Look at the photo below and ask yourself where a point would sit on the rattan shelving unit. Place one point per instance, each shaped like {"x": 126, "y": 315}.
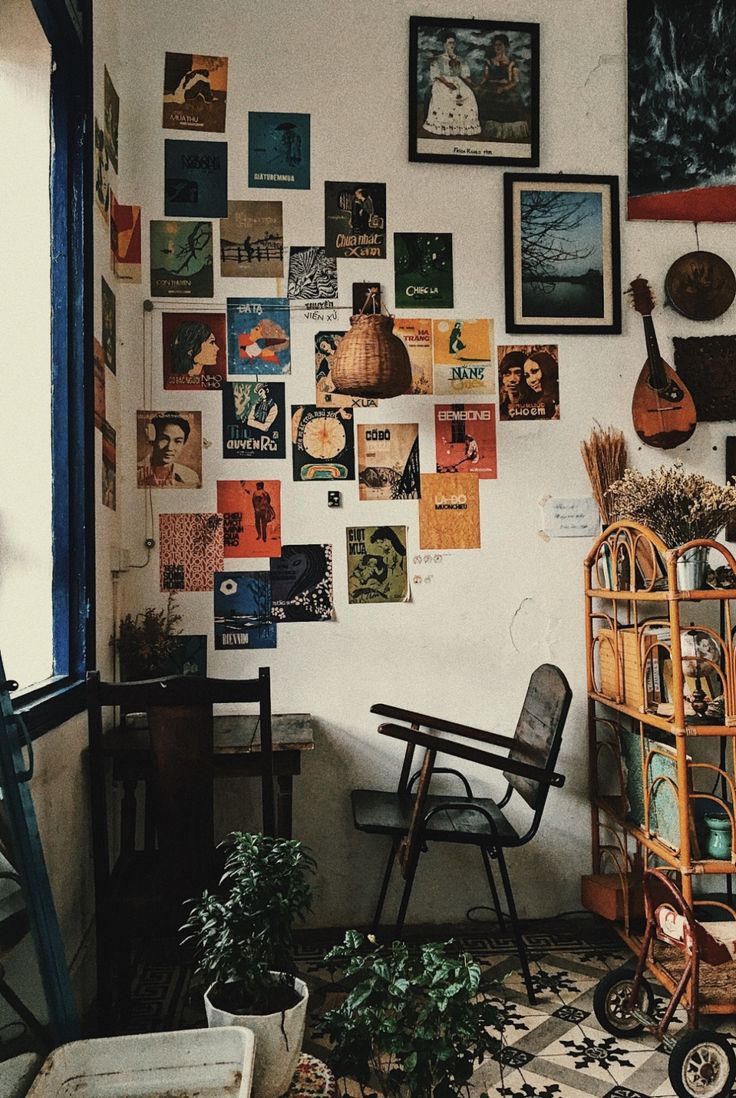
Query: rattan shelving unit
{"x": 657, "y": 766}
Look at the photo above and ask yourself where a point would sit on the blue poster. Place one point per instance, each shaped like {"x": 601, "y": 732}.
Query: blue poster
{"x": 253, "y": 419}
{"x": 243, "y": 610}
{"x": 258, "y": 336}
{"x": 196, "y": 178}
{"x": 278, "y": 150}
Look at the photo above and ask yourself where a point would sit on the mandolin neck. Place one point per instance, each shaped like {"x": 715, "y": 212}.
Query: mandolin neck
{"x": 657, "y": 378}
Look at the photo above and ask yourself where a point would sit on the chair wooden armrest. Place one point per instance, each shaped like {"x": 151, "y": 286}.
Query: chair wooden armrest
{"x": 471, "y": 754}
{"x": 442, "y": 725}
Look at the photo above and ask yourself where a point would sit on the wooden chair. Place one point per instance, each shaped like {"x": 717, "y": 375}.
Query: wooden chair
{"x": 412, "y": 819}
{"x": 141, "y": 885}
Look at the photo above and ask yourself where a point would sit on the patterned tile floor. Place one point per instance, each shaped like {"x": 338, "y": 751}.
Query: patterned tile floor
{"x": 556, "y": 1049}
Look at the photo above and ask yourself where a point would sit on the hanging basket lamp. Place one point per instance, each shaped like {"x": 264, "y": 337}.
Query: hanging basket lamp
{"x": 370, "y": 360}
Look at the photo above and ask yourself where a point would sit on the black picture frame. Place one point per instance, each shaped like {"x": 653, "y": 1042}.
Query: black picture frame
{"x": 564, "y": 229}
{"x": 491, "y": 114}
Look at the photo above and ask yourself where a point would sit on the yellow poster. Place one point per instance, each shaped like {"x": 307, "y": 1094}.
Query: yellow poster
{"x": 462, "y": 352}
{"x": 449, "y": 511}
{"x": 416, "y": 335}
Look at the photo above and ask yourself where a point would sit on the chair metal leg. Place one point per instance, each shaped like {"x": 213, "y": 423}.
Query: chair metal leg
{"x": 518, "y": 938}
{"x": 494, "y": 890}
{"x": 384, "y": 885}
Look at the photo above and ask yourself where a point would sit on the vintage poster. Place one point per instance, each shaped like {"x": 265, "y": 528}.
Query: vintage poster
{"x": 322, "y": 443}
{"x": 252, "y": 240}
{"x": 682, "y": 124}
{"x": 258, "y": 336}
{"x": 189, "y": 656}
{"x": 190, "y": 551}
{"x": 366, "y": 297}
{"x": 169, "y": 449}
{"x": 301, "y": 584}
{"x": 325, "y": 345}
{"x": 377, "y": 569}
{"x": 102, "y": 173}
{"x": 355, "y": 220}
{"x": 112, "y": 117}
{"x": 109, "y": 335}
{"x": 465, "y": 439}
{"x": 312, "y": 274}
{"x": 278, "y": 150}
{"x": 251, "y": 513}
{"x": 528, "y": 382}
{"x": 423, "y": 270}
{"x": 195, "y": 178}
{"x": 181, "y": 259}
{"x": 194, "y": 350}
{"x": 109, "y": 494}
{"x": 416, "y": 335}
{"x": 195, "y": 92}
{"x": 449, "y": 511}
{"x": 125, "y": 241}
{"x": 253, "y": 419}
{"x": 462, "y": 353}
{"x": 99, "y": 368}
{"x": 388, "y": 460}
{"x": 243, "y": 611}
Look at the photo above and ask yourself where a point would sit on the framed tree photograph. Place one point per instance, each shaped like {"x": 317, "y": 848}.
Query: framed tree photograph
{"x": 562, "y": 253}
{"x": 473, "y": 91}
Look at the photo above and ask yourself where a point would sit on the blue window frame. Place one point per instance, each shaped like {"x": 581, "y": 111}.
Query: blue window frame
{"x": 67, "y": 26}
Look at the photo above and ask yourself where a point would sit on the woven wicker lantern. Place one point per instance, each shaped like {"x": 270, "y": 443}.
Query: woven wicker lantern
{"x": 370, "y": 360}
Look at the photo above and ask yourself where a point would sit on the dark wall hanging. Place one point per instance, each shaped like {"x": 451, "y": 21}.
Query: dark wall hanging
{"x": 700, "y": 285}
{"x": 707, "y": 365}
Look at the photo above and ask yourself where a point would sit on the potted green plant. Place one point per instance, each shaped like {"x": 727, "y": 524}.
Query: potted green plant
{"x": 243, "y": 938}
{"x": 145, "y": 641}
{"x": 415, "y": 1022}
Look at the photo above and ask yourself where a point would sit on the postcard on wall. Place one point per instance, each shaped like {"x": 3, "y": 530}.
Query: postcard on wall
{"x": 258, "y": 336}
{"x": 195, "y": 92}
{"x": 109, "y": 493}
{"x": 125, "y": 240}
{"x": 112, "y": 117}
{"x": 462, "y": 352}
{"x": 181, "y": 259}
{"x": 528, "y": 381}
{"x": 253, "y": 419}
{"x": 109, "y": 335}
{"x": 355, "y": 220}
{"x": 194, "y": 350}
{"x": 388, "y": 460}
{"x": 99, "y": 369}
{"x": 312, "y": 274}
{"x": 188, "y": 656}
{"x": 251, "y": 511}
{"x": 102, "y": 173}
{"x": 465, "y": 439}
{"x": 366, "y": 297}
{"x": 416, "y": 335}
{"x": 190, "y": 551}
{"x": 243, "y": 611}
{"x": 195, "y": 178}
{"x": 376, "y": 560}
{"x": 322, "y": 443}
{"x": 449, "y": 511}
{"x": 423, "y": 270}
{"x": 325, "y": 345}
{"x": 301, "y": 584}
{"x": 278, "y": 150}
{"x": 169, "y": 449}
{"x": 252, "y": 240}
{"x": 571, "y": 518}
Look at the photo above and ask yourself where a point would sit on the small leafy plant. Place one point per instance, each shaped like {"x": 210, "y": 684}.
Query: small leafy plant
{"x": 146, "y": 640}
{"x": 415, "y": 1022}
{"x": 244, "y": 933}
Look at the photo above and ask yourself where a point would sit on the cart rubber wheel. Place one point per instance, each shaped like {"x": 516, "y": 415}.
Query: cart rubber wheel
{"x": 702, "y": 1065}
{"x": 609, "y": 1003}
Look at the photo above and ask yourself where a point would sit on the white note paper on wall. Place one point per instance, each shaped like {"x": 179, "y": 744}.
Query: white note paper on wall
{"x": 571, "y": 518}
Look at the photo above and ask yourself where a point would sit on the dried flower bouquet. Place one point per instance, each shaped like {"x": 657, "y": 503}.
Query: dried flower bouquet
{"x": 676, "y": 505}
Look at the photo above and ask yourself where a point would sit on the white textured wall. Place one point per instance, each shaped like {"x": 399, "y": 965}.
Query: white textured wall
{"x": 467, "y": 642}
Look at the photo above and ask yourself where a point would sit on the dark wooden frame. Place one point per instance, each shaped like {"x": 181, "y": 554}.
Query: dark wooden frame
{"x": 610, "y": 321}
{"x": 479, "y": 27}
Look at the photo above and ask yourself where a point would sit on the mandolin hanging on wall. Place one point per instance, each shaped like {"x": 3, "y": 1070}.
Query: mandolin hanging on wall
{"x": 662, "y": 409}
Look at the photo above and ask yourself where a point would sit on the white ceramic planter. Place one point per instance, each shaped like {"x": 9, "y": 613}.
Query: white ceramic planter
{"x": 279, "y": 1039}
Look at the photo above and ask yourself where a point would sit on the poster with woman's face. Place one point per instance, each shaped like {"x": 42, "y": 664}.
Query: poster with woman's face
{"x": 194, "y": 350}
{"x": 376, "y": 563}
{"x": 528, "y": 382}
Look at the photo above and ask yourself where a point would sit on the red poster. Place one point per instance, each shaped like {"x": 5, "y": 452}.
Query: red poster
{"x": 251, "y": 511}
{"x": 465, "y": 439}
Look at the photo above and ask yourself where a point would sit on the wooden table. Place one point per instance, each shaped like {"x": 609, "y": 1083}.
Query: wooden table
{"x": 237, "y": 750}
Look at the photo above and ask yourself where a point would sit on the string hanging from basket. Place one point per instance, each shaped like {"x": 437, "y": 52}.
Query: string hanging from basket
{"x": 371, "y": 361}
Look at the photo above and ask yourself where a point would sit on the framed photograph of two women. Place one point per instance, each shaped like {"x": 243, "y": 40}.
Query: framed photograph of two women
{"x": 562, "y": 259}
{"x": 473, "y": 91}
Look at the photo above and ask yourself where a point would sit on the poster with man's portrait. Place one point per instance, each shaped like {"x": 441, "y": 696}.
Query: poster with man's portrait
{"x": 253, "y": 419}
{"x": 528, "y": 382}
{"x": 355, "y": 220}
{"x": 169, "y": 449}
{"x": 251, "y": 513}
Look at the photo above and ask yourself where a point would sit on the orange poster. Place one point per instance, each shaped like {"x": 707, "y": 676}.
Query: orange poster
{"x": 449, "y": 511}
{"x": 251, "y": 511}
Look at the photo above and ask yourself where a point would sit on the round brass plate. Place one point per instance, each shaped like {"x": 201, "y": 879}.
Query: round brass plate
{"x": 700, "y": 285}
